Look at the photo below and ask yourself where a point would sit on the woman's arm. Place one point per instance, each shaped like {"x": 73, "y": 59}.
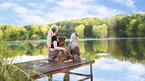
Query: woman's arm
{"x": 58, "y": 48}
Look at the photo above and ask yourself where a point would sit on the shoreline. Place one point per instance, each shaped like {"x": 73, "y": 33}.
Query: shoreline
{"x": 81, "y": 39}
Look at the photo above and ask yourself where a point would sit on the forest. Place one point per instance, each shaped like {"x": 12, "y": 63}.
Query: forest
{"x": 121, "y": 25}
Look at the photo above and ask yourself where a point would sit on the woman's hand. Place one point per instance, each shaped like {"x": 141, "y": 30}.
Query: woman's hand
{"x": 64, "y": 50}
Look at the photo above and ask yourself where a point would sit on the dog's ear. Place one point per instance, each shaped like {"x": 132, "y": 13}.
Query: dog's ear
{"x": 76, "y": 34}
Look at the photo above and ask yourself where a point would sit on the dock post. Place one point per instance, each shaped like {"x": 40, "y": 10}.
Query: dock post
{"x": 66, "y": 76}
{"x": 91, "y": 70}
{"x": 49, "y": 77}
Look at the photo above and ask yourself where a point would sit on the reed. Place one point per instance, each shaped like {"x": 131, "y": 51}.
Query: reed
{"x": 8, "y": 70}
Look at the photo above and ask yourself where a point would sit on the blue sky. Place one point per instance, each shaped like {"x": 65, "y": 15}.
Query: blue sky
{"x": 24, "y": 12}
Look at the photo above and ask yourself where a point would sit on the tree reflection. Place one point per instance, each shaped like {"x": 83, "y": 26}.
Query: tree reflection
{"x": 89, "y": 54}
{"x": 141, "y": 45}
{"x": 82, "y": 47}
{"x": 115, "y": 49}
{"x": 132, "y": 50}
{"x": 100, "y": 46}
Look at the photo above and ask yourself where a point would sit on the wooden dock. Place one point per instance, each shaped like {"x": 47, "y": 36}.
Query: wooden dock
{"x": 40, "y": 68}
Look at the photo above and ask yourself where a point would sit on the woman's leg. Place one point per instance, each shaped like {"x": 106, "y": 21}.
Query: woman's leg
{"x": 52, "y": 55}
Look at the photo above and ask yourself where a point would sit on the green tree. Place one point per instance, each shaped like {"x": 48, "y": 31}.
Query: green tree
{"x": 111, "y": 24}
{"x": 100, "y": 31}
{"x": 80, "y": 30}
{"x": 132, "y": 27}
{"x": 62, "y": 31}
{"x": 44, "y": 29}
{"x": 141, "y": 30}
{"x": 122, "y": 26}
{"x": 10, "y": 32}
{"x": 35, "y": 37}
{"x": 1, "y": 26}
{"x": 88, "y": 31}
{"x": 1, "y": 34}
{"x": 70, "y": 28}
{"x": 23, "y": 34}
{"x": 63, "y": 28}
{"x": 94, "y": 30}
{"x": 118, "y": 24}
{"x": 34, "y": 30}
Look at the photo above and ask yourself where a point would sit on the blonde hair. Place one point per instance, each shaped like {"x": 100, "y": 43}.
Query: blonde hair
{"x": 50, "y": 33}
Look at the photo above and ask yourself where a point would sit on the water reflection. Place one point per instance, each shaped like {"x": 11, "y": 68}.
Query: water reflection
{"x": 113, "y": 69}
{"x": 132, "y": 50}
{"x": 117, "y": 59}
{"x": 106, "y": 69}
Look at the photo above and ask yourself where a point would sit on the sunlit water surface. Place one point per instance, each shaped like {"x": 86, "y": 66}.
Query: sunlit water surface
{"x": 115, "y": 59}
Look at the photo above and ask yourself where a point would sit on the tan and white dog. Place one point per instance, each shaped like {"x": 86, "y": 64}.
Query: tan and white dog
{"x": 74, "y": 51}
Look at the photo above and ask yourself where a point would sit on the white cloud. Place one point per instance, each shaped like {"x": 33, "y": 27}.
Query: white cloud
{"x": 5, "y": 6}
{"x": 21, "y": 10}
{"x": 65, "y": 10}
{"x": 75, "y": 4}
{"x": 36, "y": 12}
{"x": 63, "y": 15}
{"x": 20, "y": 0}
{"x": 49, "y": 0}
{"x": 129, "y": 3}
{"x": 17, "y": 21}
{"x": 32, "y": 19}
{"x": 102, "y": 11}
{"x": 27, "y": 16}
{"x": 35, "y": 5}
{"x": 70, "y": 3}
{"x": 74, "y": 9}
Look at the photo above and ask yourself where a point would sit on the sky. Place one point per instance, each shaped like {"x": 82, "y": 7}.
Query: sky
{"x": 24, "y": 12}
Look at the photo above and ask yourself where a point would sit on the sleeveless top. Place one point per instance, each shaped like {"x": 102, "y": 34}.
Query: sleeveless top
{"x": 54, "y": 38}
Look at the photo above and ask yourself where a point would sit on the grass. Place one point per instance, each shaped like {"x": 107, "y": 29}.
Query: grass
{"x": 9, "y": 71}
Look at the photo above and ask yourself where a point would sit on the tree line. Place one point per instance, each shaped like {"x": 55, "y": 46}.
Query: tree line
{"x": 121, "y": 25}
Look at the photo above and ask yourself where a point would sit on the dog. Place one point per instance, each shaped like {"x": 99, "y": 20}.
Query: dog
{"x": 74, "y": 51}
{"x": 61, "y": 56}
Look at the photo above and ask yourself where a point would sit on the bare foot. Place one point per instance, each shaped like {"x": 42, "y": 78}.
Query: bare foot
{"x": 70, "y": 60}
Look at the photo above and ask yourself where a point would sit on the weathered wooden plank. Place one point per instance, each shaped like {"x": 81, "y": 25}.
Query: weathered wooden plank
{"x": 50, "y": 68}
{"x": 58, "y": 70}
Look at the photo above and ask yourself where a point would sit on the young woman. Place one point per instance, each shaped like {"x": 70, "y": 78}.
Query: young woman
{"x": 53, "y": 43}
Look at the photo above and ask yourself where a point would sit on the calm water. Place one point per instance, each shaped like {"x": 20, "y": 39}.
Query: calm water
{"x": 115, "y": 59}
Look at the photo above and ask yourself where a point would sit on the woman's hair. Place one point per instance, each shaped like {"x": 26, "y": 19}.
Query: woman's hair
{"x": 52, "y": 29}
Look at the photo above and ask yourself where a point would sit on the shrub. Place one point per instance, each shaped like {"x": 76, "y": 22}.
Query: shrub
{"x": 35, "y": 37}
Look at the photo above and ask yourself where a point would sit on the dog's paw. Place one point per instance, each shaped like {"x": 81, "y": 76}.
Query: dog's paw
{"x": 77, "y": 58}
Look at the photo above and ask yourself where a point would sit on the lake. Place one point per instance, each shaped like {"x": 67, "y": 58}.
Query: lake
{"x": 121, "y": 59}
